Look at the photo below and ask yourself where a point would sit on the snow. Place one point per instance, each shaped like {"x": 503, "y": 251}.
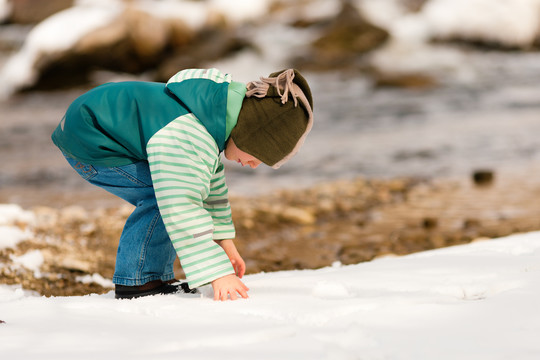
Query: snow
{"x": 194, "y": 14}
{"x": 95, "y": 278}
{"x": 31, "y": 260}
{"x": 10, "y": 236}
{"x": 10, "y": 216}
{"x": 50, "y": 36}
{"x": 476, "y": 301}
{"x": 241, "y": 10}
{"x": 5, "y": 10}
{"x": 511, "y": 22}
{"x": 12, "y": 213}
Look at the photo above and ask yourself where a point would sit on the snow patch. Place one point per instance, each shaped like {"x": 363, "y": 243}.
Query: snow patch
{"x": 50, "y": 36}
{"x": 12, "y": 213}
{"x": 479, "y": 299}
{"x": 31, "y": 260}
{"x": 95, "y": 278}
{"x": 10, "y": 236}
{"x": 513, "y": 23}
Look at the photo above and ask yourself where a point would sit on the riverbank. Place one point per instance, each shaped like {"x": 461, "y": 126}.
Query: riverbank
{"x": 342, "y": 221}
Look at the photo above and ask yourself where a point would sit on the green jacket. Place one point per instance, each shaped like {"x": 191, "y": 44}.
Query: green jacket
{"x": 180, "y": 128}
{"x": 112, "y": 124}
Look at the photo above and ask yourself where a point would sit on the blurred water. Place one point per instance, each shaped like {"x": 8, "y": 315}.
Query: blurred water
{"x": 491, "y": 122}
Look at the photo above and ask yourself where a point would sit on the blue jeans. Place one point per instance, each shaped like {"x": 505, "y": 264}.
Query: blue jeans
{"x": 145, "y": 252}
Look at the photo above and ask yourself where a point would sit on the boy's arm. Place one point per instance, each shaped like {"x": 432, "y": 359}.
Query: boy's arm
{"x": 219, "y": 208}
{"x": 234, "y": 256}
{"x": 217, "y": 204}
{"x": 182, "y": 162}
{"x": 230, "y": 285}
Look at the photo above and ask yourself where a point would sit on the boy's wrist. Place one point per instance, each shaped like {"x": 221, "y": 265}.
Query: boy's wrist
{"x": 225, "y": 243}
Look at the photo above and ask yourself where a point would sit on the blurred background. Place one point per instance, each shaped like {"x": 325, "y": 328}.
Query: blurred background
{"x": 425, "y": 101}
{"x": 431, "y": 88}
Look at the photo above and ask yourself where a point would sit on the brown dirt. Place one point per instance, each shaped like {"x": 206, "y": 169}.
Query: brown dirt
{"x": 346, "y": 221}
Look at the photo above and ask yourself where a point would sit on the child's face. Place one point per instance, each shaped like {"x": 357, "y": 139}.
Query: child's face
{"x": 235, "y": 154}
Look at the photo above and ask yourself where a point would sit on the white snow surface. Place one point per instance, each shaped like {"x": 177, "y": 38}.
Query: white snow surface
{"x": 476, "y": 301}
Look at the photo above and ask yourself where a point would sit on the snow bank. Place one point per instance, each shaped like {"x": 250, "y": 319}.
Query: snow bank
{"x": 509, "y": 22}
{"x": 478, "y": 301}
{"x": 55, "y": 34}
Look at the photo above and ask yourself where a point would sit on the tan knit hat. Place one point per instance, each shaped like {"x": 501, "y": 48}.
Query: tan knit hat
{"x": 271, "y": 126}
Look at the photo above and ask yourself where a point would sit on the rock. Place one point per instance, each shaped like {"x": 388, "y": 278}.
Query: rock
{"x": 344, "y": 40}
{"x": 34, "y": 11}
{"x": 470, "y": 223}
{"x": 429, "y": 223}
{"x": 298, "y": 216}
{"x": 134, "y": 42}
{"x": 73, "y": 214}
{"x": 483, "y": 177}
{"x": 413, "y": 5}
{"x": 412, "y": 81}
{"x": 74, "y": 264}
{"x": 46, "y": 217}
{"x": 209, "y": 44}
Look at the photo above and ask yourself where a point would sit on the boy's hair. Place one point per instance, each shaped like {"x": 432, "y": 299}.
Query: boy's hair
{"x": 271, "y": 126}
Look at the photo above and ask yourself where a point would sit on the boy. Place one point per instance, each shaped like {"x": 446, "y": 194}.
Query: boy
{"x": 158, "y": 147}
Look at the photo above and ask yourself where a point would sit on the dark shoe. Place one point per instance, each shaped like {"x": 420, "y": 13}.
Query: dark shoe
{"x": 156, "y": 287}
{"x": 184, "y": 287}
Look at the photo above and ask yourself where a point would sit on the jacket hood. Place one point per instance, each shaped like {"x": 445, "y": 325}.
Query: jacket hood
{"x": 204, "y": 93}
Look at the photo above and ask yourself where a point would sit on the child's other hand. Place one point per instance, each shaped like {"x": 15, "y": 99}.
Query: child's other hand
{"x": 237, "y": 262}
{"x": 229, "y": 285}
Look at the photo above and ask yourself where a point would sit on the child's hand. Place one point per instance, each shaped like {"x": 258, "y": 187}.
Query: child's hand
{"x": 236, "y": 260}
{"x": 229, "y": 285}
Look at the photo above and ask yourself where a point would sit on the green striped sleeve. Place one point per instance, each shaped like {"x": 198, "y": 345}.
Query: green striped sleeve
{"x": 217, "y": 204}
{"x": 186, "y": 171}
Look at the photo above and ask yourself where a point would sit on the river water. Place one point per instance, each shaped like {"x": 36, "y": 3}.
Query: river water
{"x": 446, "y": 131}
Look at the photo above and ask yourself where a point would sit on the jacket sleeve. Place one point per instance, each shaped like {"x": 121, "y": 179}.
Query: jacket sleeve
{"x": 217, "y": 204}
{"x": 183, "y": 159}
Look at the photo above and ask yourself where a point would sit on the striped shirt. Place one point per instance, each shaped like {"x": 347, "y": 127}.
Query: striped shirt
{"x": 192, "y": 196}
